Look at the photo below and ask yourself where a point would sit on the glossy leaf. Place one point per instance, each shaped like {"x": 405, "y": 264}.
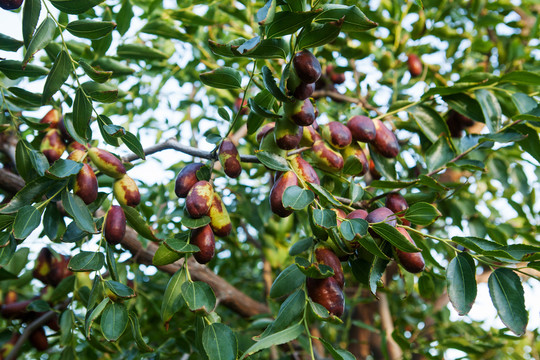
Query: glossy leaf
{"x": 222, "y": 78}
{"x": 491, "y": 109}
{"x": 75, "y": 6}
{"x": 199, "y": 297}
{"x": 140, "y": 52}
{"x": 14, "y": 69}
{"x": 506, "y": 292}
{"x": 99, "y": 76}
{"x": 429, "y": 121}
{"x": 172, "y": 298}
{"x": 272, "y": 161}
{"x": 43, "y": 36}
{"x": 297, "y": 198}
{"x": 114, "y": 321}
{"x": 393, "y": 236}
{"x": 64, "y": 168}
{"x": 142, "y": 346}
{"x": 165, "y": 256}
{"x": 422, "y": 214}
{"x": 278, "y": 338}
{"x": 93, "y": 315}
{"x": 7, "y": 43}
{"x": 353, "y": 228}
{"x": 87, "y": 261}
{"x": 270, "y": 85}
{"x": 57, "y": 76}
{"x": 460, "y": 276}
{"x": 313, "y": 270}
{"x": 219, "y": 342}
{"x": 31, "y": 11}
{"x": 138, "y": 223}
{"x": 27, "y": 220}
{"x": 79, "y": 211}
{"x": 290, "y": 279}
{"x": 439, "y": 154}
{"x": 286, "y": 22}
{"x": 355, "y": 20}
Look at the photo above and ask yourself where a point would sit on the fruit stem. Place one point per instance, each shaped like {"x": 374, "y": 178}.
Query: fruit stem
{"x": 306, "y": 326}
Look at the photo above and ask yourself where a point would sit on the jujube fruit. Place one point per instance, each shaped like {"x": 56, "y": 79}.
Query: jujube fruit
{"x": 86, "y": 185}
{"x": 268, "y": 144}
{"x": 335, "y": 77}
{"x": 362, "y": 128}
{"x": 337, "y": 134}
{"x": 52, "y": 118}
{"x": 301, "y": 112}
{"x": 10, "y": 4}
{"x": 327, "y": 293}
{"x": 276, "y": 193}
{"x": 412, "y": 262}
{"x": 327, "y": 158}
{"x": 309, "y": 136}
{"x": 397, "y": 203}
{"x": 199, "y": 199}
{"x": 229, "y": 159}
{"x": 264, "y": 130}
{"x": 107, "y": 163}
{"x": 303, "y": 169}
{"x": 38, "y": 339}
{"x": 327, "y": 257}
{"x": 415, "y": 65}
{"x": 303, "y": 91}
{"x": 126, "y": 191}
{"x": 52, "y": 145}
{"x": 203, "y": 237}
{"x": 114, "y": 228}
{"x": 385, "y": 142}
{"x": 382, "y": 214}
{"x": 307, "y": 66}
{"x": 186, "y": 178}
{"x": 357, "y": 214}
{"x": 219, "y": 217}
{"x": 287, "y": 134}
{"x": 77, "y": 155}
{"x": 355, "y": 151}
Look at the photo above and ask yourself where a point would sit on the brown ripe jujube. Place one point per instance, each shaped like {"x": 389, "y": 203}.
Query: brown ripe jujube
{"x": 385, "y": 142}
{"x": 340, "y": 215}
{"x": 335, "y": 77}
{"x": 415, "y": 65}
{"x": 52, "y": 145}
{"x": 327, "y": 293}
{"x": 457, "y": 123}
{"x": 287, "y": 134}
{"x": 382, "y": 214}
{"x": 337, "y": 134}
{"x": 114, "y": 227}
{"x": 203, "y": 237}
{"x": 38, "y": 339}
{"x": 229, "y": 158}
{"x": 10, "y": 4}
{"x": 264, "y": 130}
{"x": 276, "y": 194}
{"x": 199, "y": 199}
{"x": 126, "y": 191}
{"x": 15, "y": 310}
{"x": 300, "y": 112}
{"x": 362, "y": 128}
{"x": 375, "y": 174}
{"x": 327, "y": 158}
{"x": 327, "y": 257}
{"x": 186, "y": 178}
{"x": 86, "y": 185}
{"x": 72, "y": 146}
{"x": 397, "y": 203}
{"x": 219, "y": 217}
{"x": 107, "y": 163}
{"x": 306, "y": 66}
{"x": 305, "y": 170}
{"x": 309, "y": 136}
{"x": 303, "y": 91}
{"x": 77, "y": 155}
{"x": 42, "y": 268}
{"x": 357, "y": 214}
{"x": 52, "y": 118}
{"x": 412, "y": 262}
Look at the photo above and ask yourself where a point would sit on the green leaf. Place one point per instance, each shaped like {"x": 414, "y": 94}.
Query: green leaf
{"x": 87, "y": 261}
{"x": 75, "y": 6}
{"x": 353, "y": 228}
{"x": 222, "y": 78}
{"x": 31, "y": 11}
{"x": 272, "y": 161}
{"x": 259, "y": 110}
{"x": 465, "y": 105}
{"x": 290, "y": 312}
{"x": 219, "y": 342}
{"x": 179, "y": 244}
{"x": 300, "y": 246}
{"x": 199, "y": 297}
{"x": 124, "y": 16}
{"x": 319, "y": 34}
{"x": 90, "y": 29}
{"x": 376, "y": 272}
{"x": 224, "y": 114}
{"x": 105, "y": 93}
{"x": 99, "y": 76}
{"x": 79, "y": 211}
{"x": 140, "y": 52}
{"x": 524, "y": 103}
{"x": 270, "y": 85}
{"x": 286, "y": 22}
{"x": 58, "y": 75}
{"x": 278, "y": 338}
{"x": 322, "y": 193}
{"x": 297, "y": 198}
{"x": 114, "y": 321}
{"x": 386, "y": 167}
{"x": 82, "y": 112}
{"x": 138, "y": 223}
{"x": 531, "y": 144}
{"x": 142, "y": 346}
{"x": 393, "y": 236}
{"x": 133, "y": 144}
{"x": 506, "y": 294}
{"x": 118, "y": 68}
{"x": 439, "y": 154}
{"x": 120, "y": 290}
{"x": 521, "y": 77}
{"x": 164, "y": 29}
{"x": 422, "y": 213}
{"x": 322, "y": 314}
{"x": 14, "y": 69}
{"x": 92, "y": 316}
{"x": 325, "y": 218}
{"x": 266, "y": 14}
{"x": 313, "y": 270}
{"x": 39, "y": 306}
{"x": 429, "y": 121}
{"x": 104, "y": 130}
{"x": 264, "y": 49}
{"x": 355, "y": 20}
{"x": 39, "y": 161}
{"x": 32, "y": 190}
{"x": 192, "y": 223}
{"x": 64, "y": 168}
{"x": 290, "y": 279}
{"x": 460, "y": 275}
{"x": 254, "y": 121}
{"x": 490, "y": 108}
{"x": 172, "y": 299}
{"x": 43, "y": 36}
{"x": 27, "y": 220}
{"x": 165, "y": 256}
{"x": 7, "y": 43}
{"x": 337, "y": 354}
{"x": 25, "y": 96}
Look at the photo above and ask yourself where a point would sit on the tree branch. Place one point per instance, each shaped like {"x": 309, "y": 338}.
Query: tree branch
{"x": 33, "y": 326}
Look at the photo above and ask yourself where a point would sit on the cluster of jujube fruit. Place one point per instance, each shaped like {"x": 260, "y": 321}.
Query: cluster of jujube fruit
{"x": 50, "y": 269}
{"x": 203, "y": 200}
{"x": 53, "y": 144}
{"x": 330, "y": 146}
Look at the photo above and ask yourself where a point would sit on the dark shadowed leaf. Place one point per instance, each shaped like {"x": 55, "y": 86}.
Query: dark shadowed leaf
{"x": 287, "y": 281}
{"x": 14, "y": 69}
{"x": 57, "y": 76}
{"x": 278, "y": 338}
{"x": 219, "y": 342}
{"x": 114, "y": 321}
{"x": 313, "y": 270}
{"x": 31, "y": 11}
{"x": 75, "y": 6}
{"x": 140, "y": 52}
{"x": 460, "y": 275}
{"x": 27, "y": 220}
